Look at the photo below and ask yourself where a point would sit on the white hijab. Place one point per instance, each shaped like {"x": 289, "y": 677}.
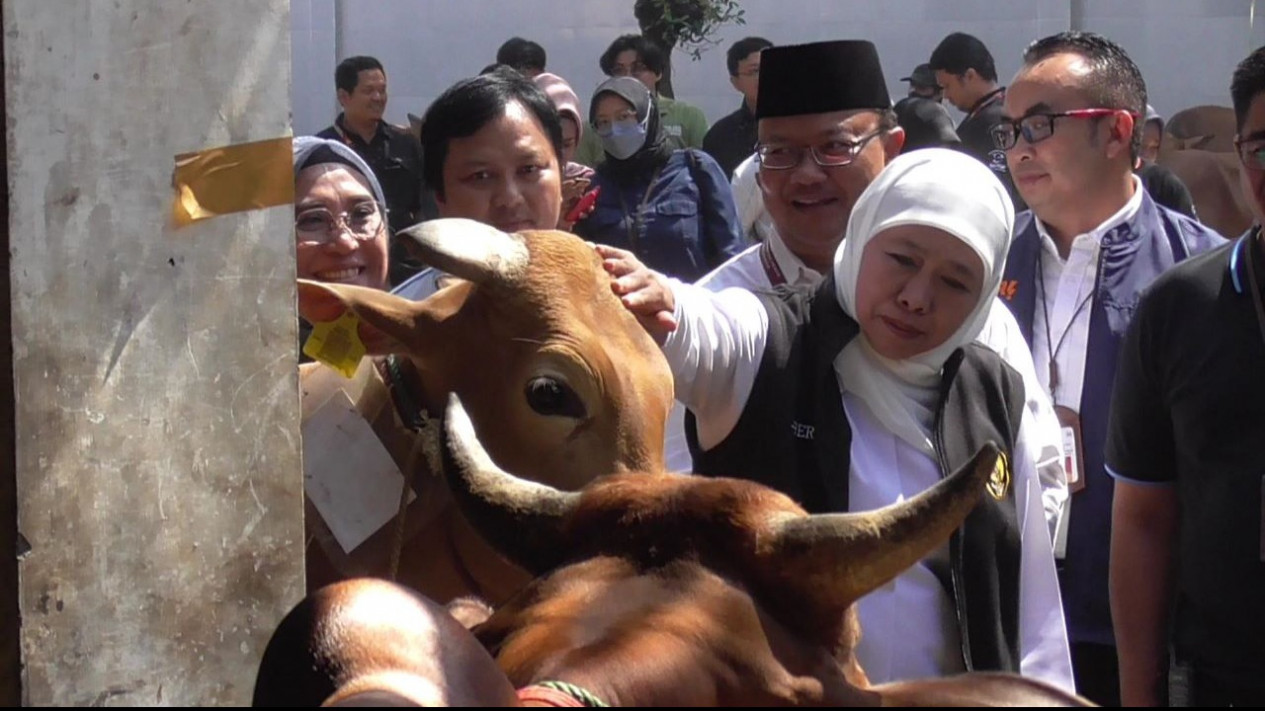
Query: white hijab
{"x": 939, "y": 188}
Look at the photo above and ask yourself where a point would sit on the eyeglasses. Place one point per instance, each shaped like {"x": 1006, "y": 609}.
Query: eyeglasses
{"x": 1251, "y": 153}
{"x": 1038, "y": 127}
{"x": 832, "y": 154}
{"x": 320, "y": 226}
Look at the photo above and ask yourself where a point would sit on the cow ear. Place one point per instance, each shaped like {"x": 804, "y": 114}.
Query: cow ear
{"x": 388, "y": 323}
{"x": 468, "y": 249}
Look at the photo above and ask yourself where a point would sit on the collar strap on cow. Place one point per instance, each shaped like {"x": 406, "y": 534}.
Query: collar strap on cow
{"x": 425, "y": 446}
{"x": 560, "y": 694}
{"x": 411, "y": 412}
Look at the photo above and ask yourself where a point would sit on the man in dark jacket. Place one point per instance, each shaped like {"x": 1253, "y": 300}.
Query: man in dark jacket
{"x": 964, "y": 69}
{"x": 732, "y": 139}
{"x": 393, "y": 153}
{"x": 1091, "y": 244}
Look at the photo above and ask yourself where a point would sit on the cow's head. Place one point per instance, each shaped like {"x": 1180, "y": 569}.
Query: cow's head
{"x": 560, "y": 380}
{"x": 671, "y": 589}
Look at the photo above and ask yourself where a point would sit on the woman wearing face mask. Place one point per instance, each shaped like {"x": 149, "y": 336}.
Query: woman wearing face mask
{"x": 868, "y": 388}
{"x": 673, "y": 209}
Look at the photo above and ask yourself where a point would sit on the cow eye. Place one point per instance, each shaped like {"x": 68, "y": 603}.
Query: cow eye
{"x": 551, "y": 397}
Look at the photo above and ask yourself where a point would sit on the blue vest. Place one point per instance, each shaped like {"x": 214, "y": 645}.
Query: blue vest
{"x": 1133, "y": 254}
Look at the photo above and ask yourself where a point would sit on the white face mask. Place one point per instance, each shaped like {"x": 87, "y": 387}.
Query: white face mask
{"x": 624, "y": 138}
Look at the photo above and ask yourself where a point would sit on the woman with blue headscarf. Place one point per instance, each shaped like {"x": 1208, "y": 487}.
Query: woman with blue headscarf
{"x": 674, "y": 209}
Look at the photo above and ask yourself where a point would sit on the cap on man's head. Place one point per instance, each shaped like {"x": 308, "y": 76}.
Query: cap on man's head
{"x": 922, "y": 77}
{"x": 821, "y": 77}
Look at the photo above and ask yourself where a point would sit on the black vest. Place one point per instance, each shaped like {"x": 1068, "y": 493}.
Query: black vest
{"x": 793, "y": 436}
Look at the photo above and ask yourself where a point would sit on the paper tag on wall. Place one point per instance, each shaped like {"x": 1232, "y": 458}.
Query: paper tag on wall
{"x": 348, "y": 474}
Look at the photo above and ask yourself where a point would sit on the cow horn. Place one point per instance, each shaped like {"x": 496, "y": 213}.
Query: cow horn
{"x": 837, "y": 558}
{"x": 521, "y": 519}
{"x": 471, "y": 250}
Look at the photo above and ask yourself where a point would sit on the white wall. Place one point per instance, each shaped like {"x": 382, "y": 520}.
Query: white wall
{"x": 1187, "y": 49}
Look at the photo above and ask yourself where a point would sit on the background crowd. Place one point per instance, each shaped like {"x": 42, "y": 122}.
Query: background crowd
{"x": 1135, "y": 333}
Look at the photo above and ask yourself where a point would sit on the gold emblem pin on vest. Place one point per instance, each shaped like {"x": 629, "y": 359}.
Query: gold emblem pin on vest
{"x": 999, "y": 480}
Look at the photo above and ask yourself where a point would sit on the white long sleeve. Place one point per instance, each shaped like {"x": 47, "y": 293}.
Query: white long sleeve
{"x": 1001, "y": 333}
{"x": 715, "y": 354}
{"x": 1043, "y": 646}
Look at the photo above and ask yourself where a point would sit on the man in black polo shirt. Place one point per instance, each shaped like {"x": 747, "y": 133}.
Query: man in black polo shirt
{"x": 731, "y": 140}
{"x": 393, "y": 153}
{"x": 1185, "y": 448}
{"x": 965, "y": 71}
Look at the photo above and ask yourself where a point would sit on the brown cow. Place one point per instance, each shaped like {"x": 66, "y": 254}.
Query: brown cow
{"x": 1199, "y": 148}
{"x": 655, "y": 589}
{"x": 561, "y": 382}
{"x": 1205, "y": 128}
{"x": 1213, "y": 181}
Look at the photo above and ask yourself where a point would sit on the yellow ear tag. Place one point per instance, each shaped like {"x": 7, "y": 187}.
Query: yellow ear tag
{"x": 337, "y": 343}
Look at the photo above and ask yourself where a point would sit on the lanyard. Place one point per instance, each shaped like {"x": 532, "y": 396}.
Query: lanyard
{"x": 1050, "y": 345}
{"x": 771, "y": 268}
{"x": 634, "y": 221}
{"x": 985, "y": 101}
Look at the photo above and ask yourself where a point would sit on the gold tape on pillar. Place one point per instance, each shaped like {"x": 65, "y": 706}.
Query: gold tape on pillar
{"x": 246, "y": 176}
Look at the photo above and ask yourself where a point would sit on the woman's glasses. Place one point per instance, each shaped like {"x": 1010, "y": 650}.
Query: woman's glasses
{"x": 320, "y": 226}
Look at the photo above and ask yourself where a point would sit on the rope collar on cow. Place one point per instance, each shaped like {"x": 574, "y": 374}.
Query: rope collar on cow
{"x": 560, "y": 694}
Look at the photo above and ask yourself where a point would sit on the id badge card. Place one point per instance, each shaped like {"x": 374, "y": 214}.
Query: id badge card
{"x": 1073, "y": 450}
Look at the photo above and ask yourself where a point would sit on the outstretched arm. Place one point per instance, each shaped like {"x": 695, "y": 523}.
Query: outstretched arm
{"x": 713, "y": 342}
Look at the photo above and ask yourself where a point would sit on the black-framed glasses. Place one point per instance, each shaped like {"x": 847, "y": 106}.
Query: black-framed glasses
{"x": 1251, "y": 153}
{"x": 831, "y": 154}
{"x": 1038, "y": 127}
{"x": 317, "y": 225}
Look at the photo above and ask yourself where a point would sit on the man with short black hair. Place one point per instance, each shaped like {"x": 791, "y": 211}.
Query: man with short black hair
{"x": 392, "y": 152}
{"x": 1092, "y": 242}
{"x": 965, "y": 72}
{"x": 638, "y": 57}
{"x": 732, "y": 139}
{"x": 523, "y": 55}
{"x": 1184, "y": 448}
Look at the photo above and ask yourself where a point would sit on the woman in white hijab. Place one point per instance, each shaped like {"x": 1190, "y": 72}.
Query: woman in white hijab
{"x": 891, "y": 335}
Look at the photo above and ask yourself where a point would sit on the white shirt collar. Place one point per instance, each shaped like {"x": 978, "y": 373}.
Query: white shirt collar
{"x": 1094, "y": 236}
{"x": 793, "y": 268}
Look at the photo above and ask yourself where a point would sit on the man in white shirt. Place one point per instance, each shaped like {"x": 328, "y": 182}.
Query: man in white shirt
{"x": 801, "y": 215}
{"x": 1092, "y": 242}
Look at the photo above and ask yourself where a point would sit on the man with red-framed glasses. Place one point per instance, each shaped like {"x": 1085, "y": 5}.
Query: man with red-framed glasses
{"x": 1090, "y": 244}
{"x": 1186, "y": 422}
